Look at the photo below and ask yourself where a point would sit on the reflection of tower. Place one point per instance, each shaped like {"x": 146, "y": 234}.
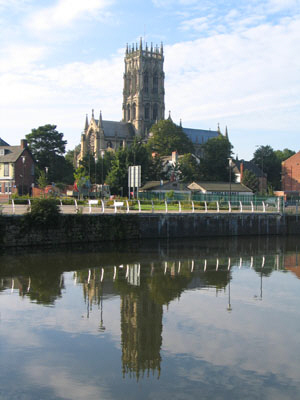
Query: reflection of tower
{"x": 141, "y": 325}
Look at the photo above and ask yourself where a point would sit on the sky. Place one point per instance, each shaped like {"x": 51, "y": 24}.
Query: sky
{"x": 233, "y": 62}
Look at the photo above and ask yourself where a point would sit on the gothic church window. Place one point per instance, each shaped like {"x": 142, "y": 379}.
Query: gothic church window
{"x": 128, "y": 112}
{"x": 133, "y": 111}
{"x": 146, "y": 83}
{"x": 155, "y": 112}
{"x": 155, "y": 83}
{"x": 92, "y": 138}
{"x": 147, "y": 111}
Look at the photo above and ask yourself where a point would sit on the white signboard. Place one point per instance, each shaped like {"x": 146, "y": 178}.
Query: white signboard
{"x": 134, "y": 176}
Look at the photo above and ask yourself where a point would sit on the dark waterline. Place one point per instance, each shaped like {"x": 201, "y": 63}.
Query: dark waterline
{"x": 188, "y": 319}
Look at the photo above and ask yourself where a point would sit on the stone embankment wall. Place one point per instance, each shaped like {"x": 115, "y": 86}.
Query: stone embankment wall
{"x": 98, "y": 228}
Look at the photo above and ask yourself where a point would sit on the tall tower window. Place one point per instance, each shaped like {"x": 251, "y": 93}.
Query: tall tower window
{"x": 147, "y": 111}
{"x": 155, "y": 112}
{"x": 128, "y": 112}
{"x": 133, "y": 111}
{"x": 146, "y": 83}
{"x": 155, "y": 84}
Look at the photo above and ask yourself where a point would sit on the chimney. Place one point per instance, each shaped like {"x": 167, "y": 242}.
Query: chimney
{"x": 174, "y": 156}
{"x": 23, "y": 143}
{"x": 242, "y": 171}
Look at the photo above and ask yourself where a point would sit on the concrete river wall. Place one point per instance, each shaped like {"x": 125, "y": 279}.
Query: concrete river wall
{"x": 93, "y": 228}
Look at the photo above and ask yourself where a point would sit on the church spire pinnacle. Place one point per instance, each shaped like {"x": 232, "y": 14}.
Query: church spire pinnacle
{"x": 86, "y": 125}
{"x": 100, "y": 122}
{"x": 219, "y": 130}
{"x": 93, "y": 117}
{"x": 226, "y": 133}
{"x": 141, "y": 43}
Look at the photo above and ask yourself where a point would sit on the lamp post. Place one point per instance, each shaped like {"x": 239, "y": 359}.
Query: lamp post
{"x": 96, "y": 159}
{"x": 23, "y": 162}
{"x": 229, "y": 164}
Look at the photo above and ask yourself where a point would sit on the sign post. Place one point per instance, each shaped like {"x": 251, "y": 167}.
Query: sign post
{"x": 134, "y": 179}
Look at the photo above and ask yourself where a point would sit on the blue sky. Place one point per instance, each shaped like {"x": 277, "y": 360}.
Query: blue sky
{"x": 236, "y": 63}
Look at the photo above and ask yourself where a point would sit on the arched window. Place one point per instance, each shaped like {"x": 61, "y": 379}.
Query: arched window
{"x": 133, "y": 111}
{"x": 155, "y": 112}
{"x": 147, "y": 111}
{"x": 128, "y": 112}
{"x": 155, "y": 83}
{"x": 146, "y": 82}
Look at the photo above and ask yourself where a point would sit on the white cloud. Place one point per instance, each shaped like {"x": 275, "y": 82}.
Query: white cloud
{"x": 233, "y": 74}
{"x": 65, "y": 12}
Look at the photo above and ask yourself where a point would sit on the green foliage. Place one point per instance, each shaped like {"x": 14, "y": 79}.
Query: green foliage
{"x": 214, "y": 161}
{"x": 250, "y": 180}
{"x": 44, "y": 213}
{"x": 284, "y": 154}
{"x": 189, "y": 168}
{"x": 155, "y": 169}
{"x": 47, "y": 146}
{"x": 168, "y": 137}
{"x": 42, "y": 180}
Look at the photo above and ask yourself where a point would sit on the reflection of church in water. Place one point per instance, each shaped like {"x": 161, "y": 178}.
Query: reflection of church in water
{"x": 142, "y": 298}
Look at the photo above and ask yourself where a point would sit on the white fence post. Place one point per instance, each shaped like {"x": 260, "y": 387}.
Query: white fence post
{"x": 76, "y": 206}
{"x": 152, "y": 206}
{"x": 193, "y": 207}
{"x": 29, "y": 204}
{"x": 127, "y": 205}
{"x": 218, "y": 207}
{"x": 102, "y": 204}
{"x": 139, "y": 204}
{"x": 13, "y": 206}
{"x": 205, "y": 205}
{"x": 252, "y": 206}
{"x": 179, "y": 206}
{"x": 166, "y": 204}
{"x": 264, "y": 206}
{"x": 115, "y": 207}
{"x": 229, "y": 206}
{"x": 241, "y": 206}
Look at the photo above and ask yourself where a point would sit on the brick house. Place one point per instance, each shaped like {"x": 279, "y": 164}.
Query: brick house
{"x": 16, "y": 169}
{"x": 290, "y": 170}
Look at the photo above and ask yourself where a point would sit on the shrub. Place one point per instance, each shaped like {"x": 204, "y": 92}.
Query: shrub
{"x": 44, "y": 213}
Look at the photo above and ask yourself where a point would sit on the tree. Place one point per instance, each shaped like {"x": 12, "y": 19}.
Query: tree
{"x": 168, "y": 137}
{"x": 250, "y": 180}
{"x": 189, "y": 168}
{"x": 284, "y": 154}
{"x": 214, "y": 161}
{"x": 265, "y": 158}
{"x": 47, "y": 146}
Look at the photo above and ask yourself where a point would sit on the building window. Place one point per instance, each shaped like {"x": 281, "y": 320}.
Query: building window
{"x": 6, "y": 169}
{"x": 147, "y": 111}
{"x": 7, "y": 187}
{"x": 133, "y": 111}
{"x": 155, "y": 112}
{"x": 146, "y": 83}
{"x": 155, "y": 84}
{"x": 128, "y": 112}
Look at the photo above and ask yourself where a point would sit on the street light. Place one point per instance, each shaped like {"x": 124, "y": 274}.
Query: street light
{"x": 23, "y": 161}
{"x": 96, "y": 159}
{"x": 230, "y": 165}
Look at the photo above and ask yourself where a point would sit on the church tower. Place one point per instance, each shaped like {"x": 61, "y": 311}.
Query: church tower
{"x": 143, "y": 93}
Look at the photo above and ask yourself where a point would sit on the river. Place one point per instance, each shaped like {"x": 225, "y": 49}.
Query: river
{"x": 188, "y": 319}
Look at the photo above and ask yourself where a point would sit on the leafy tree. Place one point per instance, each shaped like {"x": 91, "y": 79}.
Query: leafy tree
{"x": 266, "y": 159}
{"x": 42, "y": 180}
{"x": 189, "y": 168}
{"x": 168, "y": 137}
{"x": 155, "y": 169}
{"x": 117, "y": 177}
{"x": 47, "y": 147}
{"x": 250, "y": 180}
{"x": 214, "y": 161}
{"x": 284, "y": 154}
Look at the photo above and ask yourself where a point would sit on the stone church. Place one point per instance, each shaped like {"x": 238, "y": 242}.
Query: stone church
{"x": 143, "y": 105}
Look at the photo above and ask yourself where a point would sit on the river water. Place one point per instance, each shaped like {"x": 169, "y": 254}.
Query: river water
{"x": 203, "y": 319}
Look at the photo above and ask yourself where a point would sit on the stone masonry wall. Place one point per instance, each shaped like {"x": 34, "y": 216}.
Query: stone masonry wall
{"x": 98, "y": 228}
